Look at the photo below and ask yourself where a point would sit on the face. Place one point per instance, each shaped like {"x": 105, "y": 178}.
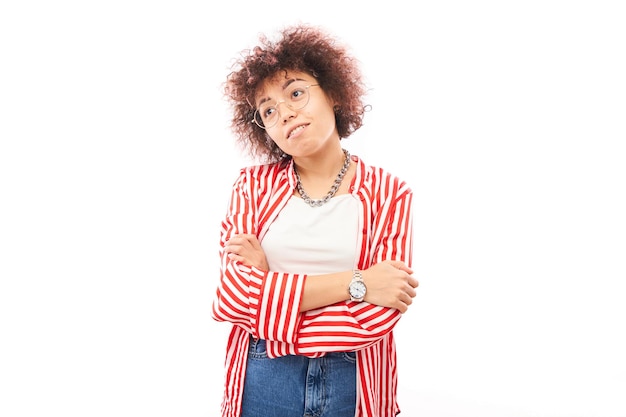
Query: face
{"x": 297, "y": 113}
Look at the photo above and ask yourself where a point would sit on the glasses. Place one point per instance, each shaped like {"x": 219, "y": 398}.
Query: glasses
{"x": 296, "y": 97}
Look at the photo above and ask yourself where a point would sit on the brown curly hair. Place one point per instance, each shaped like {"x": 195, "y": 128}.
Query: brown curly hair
{"x": 300, "y": 48}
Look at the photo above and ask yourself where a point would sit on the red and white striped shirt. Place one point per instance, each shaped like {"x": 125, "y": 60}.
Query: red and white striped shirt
{"x": 266, "y": 304}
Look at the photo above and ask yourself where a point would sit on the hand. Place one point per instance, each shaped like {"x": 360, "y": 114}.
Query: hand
{"x": 390, "y": 284}
{"x": 246, "y": 248}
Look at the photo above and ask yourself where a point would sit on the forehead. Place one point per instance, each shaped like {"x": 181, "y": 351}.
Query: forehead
{"x": 279, "y": 80}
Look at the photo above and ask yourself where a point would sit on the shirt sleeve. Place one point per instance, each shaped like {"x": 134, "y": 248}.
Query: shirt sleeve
{"x": 352, "y": 325}
{"x": 266, "y": 304}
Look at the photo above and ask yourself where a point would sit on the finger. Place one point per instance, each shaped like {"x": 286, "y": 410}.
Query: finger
{"x": 235, "y": 257}
{"x": 411, "y": 292}
{"x": 247, "y": 237}
{"x": 401, "y": 266}
{"x": 255, "y": 243}
{"x": 405, "y": 298}
{"x": 235, "y": 240}
{"x": 402, "y": 308}
{"x": 232, "y": 248}
{"x": 242, "y": 237}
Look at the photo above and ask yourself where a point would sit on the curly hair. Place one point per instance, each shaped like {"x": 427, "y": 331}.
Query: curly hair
{"x": 300, "y": 48}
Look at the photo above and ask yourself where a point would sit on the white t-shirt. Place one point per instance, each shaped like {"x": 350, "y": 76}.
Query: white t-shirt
{"x": 314, "y": 240}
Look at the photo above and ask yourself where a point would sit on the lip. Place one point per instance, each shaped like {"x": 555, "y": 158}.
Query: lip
{"x": 291, "y": 134}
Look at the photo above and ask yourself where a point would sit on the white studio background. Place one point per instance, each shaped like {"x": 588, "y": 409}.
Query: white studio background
{"x": 507, "y": 119}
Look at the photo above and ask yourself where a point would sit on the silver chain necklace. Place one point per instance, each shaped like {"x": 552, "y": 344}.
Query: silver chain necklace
{"x": 333, "y": 189}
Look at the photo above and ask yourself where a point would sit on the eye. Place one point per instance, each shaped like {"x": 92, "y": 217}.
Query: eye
{"x": 298, "y": 93}
{"x": 267, "y": 112}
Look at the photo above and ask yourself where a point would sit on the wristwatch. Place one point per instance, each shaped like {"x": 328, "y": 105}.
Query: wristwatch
{"x": 357, "y": 288}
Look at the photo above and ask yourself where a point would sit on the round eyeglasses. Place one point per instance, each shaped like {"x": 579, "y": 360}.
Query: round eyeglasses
{"x": 296, "y": 97}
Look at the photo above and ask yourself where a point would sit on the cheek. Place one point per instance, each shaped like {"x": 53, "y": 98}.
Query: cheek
{"x": 271, "y": 142}
{"x": 329, "y": 117}
{"x": 324, "y": 110}
{"x": 275, "y": 141}
{"x": 273, "y": 136}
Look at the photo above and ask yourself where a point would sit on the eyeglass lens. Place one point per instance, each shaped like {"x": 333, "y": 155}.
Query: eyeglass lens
{"x": 296, "y": 97}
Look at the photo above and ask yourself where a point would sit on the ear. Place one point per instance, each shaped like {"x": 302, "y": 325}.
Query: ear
{"x": 333, "y": 103}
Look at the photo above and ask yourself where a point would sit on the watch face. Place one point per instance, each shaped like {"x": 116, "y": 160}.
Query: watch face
{"x": 357, "y": 289}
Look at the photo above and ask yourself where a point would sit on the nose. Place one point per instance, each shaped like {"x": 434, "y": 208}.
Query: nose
{"x": 287, "y": 112}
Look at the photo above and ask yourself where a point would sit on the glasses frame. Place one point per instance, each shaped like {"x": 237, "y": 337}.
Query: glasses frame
{"x": 256, "y": 111}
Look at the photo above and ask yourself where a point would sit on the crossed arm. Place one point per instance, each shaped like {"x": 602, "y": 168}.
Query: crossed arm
{"x": 389, "y": 283}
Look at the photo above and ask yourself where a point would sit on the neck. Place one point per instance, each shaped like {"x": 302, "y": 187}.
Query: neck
{"x": 320, "y": 167}
{"x": 315, "y": 197}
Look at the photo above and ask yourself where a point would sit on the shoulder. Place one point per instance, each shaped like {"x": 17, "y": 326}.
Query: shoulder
{"x": 263, "y": 175}
{"x": 380, "y": 180}
{"x": 261, "y": 170}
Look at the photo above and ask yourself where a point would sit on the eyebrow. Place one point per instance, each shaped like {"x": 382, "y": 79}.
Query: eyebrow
{"x": 284, "y": 87}
{"x": 290, "y": 81}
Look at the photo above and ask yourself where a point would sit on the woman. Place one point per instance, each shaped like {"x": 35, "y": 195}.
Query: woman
{"x": 316, "y": 245}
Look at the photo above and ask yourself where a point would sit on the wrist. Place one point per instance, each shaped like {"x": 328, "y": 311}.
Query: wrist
{"x": 357, "y": 288}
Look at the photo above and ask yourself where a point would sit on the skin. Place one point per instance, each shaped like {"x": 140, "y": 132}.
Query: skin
{"x": 318, "y": 156}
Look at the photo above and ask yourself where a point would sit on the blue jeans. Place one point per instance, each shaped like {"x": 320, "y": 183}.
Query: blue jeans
{"x": 298, "y": 386}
